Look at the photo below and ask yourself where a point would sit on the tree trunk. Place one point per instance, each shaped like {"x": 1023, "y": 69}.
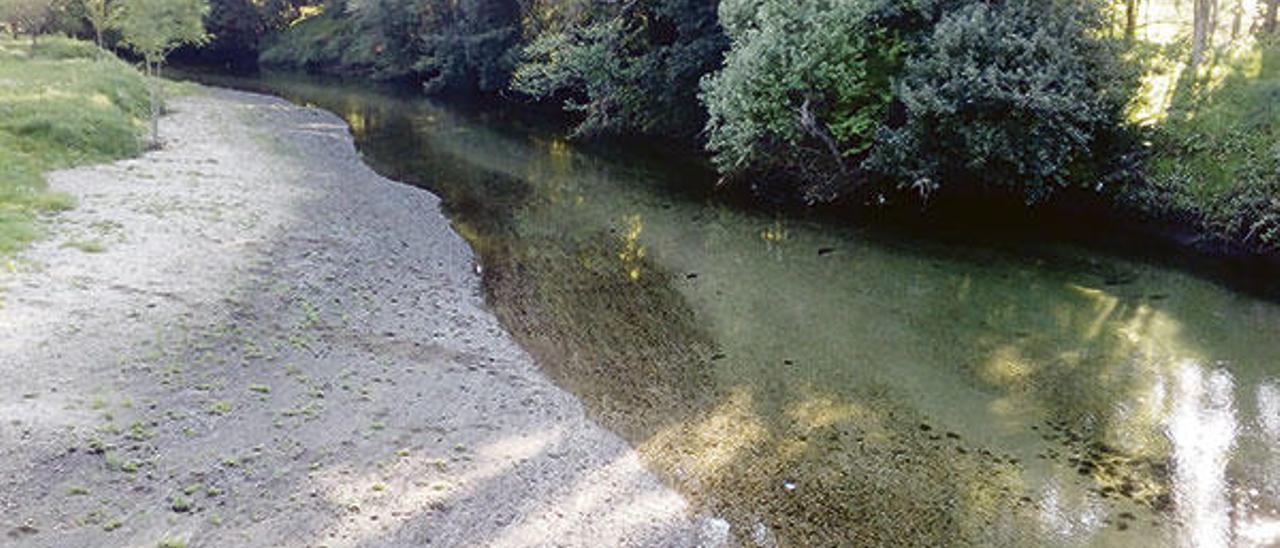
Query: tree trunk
{"x": 1130, "y": 20}
{"x": 155, "y": 104}
{"x": 1269, "y": 20}
{"x": 1201, "y": 29}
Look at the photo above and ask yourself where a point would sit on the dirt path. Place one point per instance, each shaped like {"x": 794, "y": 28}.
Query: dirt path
{"x": 248, "y": 338}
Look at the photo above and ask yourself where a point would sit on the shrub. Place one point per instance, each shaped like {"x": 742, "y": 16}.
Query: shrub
{"x": 327, "y": 43}
{"x": 634, "y": 70}
{"x": 1009, "y": 96}
{"x": 803, "y": 89}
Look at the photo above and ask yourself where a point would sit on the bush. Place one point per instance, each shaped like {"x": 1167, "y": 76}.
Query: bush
{"x": 57, "y": 49}
{"x": 1010, "y": 96}
{"x": 633, "y": 71}
{"x": 804, "y": 87}
{"x": 449, "y": 47}
{"x": 327, "y": 43}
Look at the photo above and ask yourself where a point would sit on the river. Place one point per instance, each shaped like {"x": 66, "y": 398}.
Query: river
{"x": 818, "y": 383}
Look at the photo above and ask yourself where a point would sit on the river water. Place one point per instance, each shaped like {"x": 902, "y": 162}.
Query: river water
{"x": 813, "y": 383}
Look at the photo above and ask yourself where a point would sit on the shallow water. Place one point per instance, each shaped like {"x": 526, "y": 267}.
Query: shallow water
{"x": 822, "y": 384}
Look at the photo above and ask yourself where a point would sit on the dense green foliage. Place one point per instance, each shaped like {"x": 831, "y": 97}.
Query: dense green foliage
{"x": 803, "y": 89}
{"x": 1006, "y": 95}
{"x": 154, "y": 28}
{"x": 630, "y": 68}
{"x": 61, "y": 107}
{"x": 319, "y": 44}
{"x": 448, "y": 46}
{"x": 1216, "y": 160}
{"x": 235, "y": 28}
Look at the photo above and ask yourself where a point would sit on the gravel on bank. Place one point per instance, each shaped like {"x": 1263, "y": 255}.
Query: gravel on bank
{"x": 248, "y": 338}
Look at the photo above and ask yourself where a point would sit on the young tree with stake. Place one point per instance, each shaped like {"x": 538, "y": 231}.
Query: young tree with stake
{"x": 153, "y": 29}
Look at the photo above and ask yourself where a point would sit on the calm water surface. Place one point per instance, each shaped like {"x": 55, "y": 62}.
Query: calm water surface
{"x": 816, "y": 384}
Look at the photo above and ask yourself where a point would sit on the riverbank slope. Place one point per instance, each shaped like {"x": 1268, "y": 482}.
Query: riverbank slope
{"x": 272, "y": 345}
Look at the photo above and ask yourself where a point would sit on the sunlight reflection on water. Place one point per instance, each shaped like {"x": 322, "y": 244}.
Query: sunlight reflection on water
{"x": 1202, "y": 429}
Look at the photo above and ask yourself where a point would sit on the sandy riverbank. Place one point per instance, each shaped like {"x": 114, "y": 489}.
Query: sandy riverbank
{"x": 248, "y": 338}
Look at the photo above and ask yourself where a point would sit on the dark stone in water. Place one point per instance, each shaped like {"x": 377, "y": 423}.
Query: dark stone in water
{"x": 788, "y": 362}
{"x": 1122, "y": 526}
{"x": 1162, "y": 502}
{"x": 1127, "y": 515}
{"x": 716, "y": 357}
{"x": 691, "y": 275}
{"x": 953, "y": 435}
{"x": 825, "y": 251}
{"x": 925, "y": 427}
{"x": 1158, "y": 296}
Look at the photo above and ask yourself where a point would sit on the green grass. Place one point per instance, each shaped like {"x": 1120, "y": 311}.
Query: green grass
{"x": 61, "y": 105}
{"x": 1217, "y": 157}
{"x": 87, "y": 246}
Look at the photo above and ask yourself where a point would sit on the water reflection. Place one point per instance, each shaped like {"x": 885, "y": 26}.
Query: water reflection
{"x": 825, "y": 385}
{"x": 1202, "y": 430}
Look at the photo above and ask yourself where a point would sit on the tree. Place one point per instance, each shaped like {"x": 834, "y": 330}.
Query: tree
{"x": 30, "y": 17}
{"x": 455, "y": 46}
{"x": 633, "y": 68}
{"x": 803, "y": 90}
{"x": 468, "y": 45}
{"x": 153, "y": 29}
{"x": 101, "y": 15}
{"x": 1269, "y": 16}
{"x": 1201, "y": 32}
{"x": 1130, "y": 20}
{"x": 235, "y": 27}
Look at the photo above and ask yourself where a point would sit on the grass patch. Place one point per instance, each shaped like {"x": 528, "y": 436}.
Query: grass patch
{"x": 87, "y": 246}
{"x": 1216, "y": 158}
{"x": 63, "y": 104}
